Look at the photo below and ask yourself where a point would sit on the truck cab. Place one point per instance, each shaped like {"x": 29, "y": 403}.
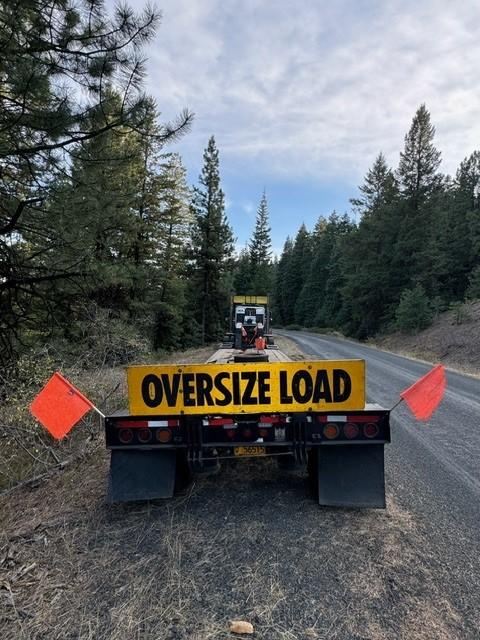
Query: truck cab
{"x": 249, "y": 319}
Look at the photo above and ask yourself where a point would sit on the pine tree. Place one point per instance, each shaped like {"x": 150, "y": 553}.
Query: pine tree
{"x": 242, "y": 278}
{"x": 170, "y": 261}
{"x": 330, "y": 311}
{"x": 296, "y": 275}
{"x": 421, "y": 188}
{"x": 311, "y": 295}
{"x": 58, "y": 63}
{"x": 368, "y": 285}
{"x": 212, "y": 247}
{"x": 281, "y": 294}
{"x": 458, "y": 231}
{"x": 377, "y": 189}
{"x": 260, "y": 252}
{"x": 419, "y": 161}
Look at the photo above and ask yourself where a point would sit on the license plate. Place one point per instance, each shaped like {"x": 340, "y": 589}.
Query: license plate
{"x": 248, "y": 451}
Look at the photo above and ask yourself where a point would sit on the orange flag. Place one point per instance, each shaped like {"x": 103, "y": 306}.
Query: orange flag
{"x": 424, "y": 396}
{"x": 59, "y": 406}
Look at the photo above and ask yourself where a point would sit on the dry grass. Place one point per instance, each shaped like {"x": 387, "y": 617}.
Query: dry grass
{"x": 290, "y": 348}
{"x": 26, "y": 450}
{"x": 246, "y": 544}
{"x": 453, "y": 339}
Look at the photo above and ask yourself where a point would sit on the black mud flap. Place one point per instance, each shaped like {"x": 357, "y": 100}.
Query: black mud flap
{"x": 141, "y": 475}
{"x": 351, "y": 476}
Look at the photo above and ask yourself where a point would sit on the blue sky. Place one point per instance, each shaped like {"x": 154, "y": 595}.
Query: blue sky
{"x": 302, "y": 95}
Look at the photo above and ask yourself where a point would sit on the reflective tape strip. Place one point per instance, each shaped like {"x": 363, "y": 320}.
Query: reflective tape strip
{"x": 163, "y": 423}
{"x": 217, "y": 422}
{"x": 354, "y": 418}
{"x": 271, "y": 419}
{"x": 131, "y": 424}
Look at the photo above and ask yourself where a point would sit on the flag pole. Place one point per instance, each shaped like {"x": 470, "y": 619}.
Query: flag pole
{"x": 396, "y": 405}
{"x": 98, "y": 411}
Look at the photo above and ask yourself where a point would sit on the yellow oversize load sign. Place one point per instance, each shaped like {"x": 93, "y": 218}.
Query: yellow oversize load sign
{"x": 319, "y": 385}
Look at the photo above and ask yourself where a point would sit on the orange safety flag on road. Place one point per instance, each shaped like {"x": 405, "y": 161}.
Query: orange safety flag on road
{"x": 424, "y": 396}
{"x": 59, "y": 406}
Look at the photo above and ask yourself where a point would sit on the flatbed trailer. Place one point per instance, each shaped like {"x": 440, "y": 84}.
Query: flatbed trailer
{"x": 186, "y": 419}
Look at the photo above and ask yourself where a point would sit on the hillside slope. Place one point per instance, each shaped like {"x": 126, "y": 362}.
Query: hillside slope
{"x": 453, "y": 339}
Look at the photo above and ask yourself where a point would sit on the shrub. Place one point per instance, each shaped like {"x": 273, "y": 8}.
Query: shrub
{"x": 103, "y": 339}
{"x": 473, "y": 291}
{"x": 459, "y": 312}
{"x": 414, "y": 310}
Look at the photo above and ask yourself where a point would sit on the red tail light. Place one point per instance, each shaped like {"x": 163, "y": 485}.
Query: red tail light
{"x": 144, "y": 435}
{"x": 164, "y": 436}
{"x": 230, "y": 433}
{"x": 350, "y": 430}
{"x": 331, "y": 431}
{"x": 370, "y": 430}
{"x": 125, "y": 436}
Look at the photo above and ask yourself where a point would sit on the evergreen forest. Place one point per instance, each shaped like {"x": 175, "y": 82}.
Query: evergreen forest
{"x": 107, "y": 253}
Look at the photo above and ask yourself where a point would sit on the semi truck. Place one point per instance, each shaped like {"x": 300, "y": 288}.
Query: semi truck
{"x": 189, "y": 418}
{"x": 250, "y": 318}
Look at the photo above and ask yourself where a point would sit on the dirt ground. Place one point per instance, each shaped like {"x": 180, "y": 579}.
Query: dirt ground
{"x": 249, "y": 543}
{"x": 453, "y": 339}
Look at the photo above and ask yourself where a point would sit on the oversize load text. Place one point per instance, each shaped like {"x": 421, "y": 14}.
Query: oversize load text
{"x": 274, "y": 387}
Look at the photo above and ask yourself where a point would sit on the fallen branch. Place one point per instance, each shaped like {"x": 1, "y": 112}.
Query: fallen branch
{"x": 46, "y": 474}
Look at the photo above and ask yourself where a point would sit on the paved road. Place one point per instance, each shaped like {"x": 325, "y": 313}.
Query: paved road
{"x": 433, "y": 468}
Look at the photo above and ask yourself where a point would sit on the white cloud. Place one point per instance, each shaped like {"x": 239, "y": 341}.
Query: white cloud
{"x": 318, "y": 89}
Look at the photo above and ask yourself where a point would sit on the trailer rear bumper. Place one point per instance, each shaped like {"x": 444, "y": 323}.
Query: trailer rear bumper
{"x": 345, "y": 458}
